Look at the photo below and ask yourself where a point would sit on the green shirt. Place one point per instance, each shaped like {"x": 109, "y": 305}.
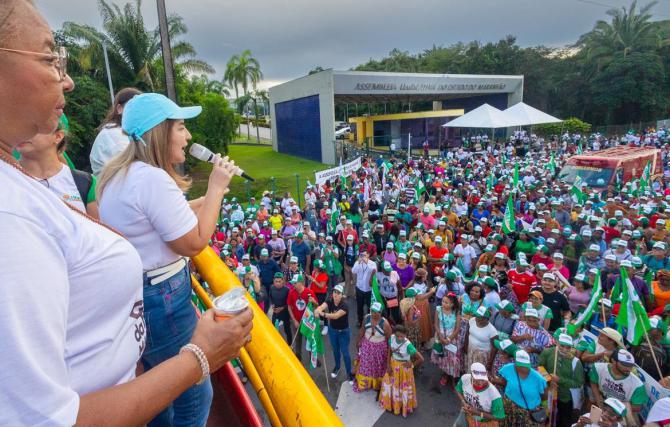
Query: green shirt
{"x": 567, "y": 377}
{"x": 528, "y": 248}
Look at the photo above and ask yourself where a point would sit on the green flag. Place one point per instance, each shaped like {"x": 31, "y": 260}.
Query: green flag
{"x": 310, "y": 328}
{"x": 419, "y": 189}
{"x": 645, "y": 179}
{"x": 509, "y": 222}
{"x": 632, "y": 314}
{"x": 489, "y": 182}
{"x": 585, "y": 315}
{"x": 376, "y": 295}
{"x": 577, "y": 190}
{"x": 579, "y": 147}
{"x": 648, "y": 278}
{"x": 552, "y": 164}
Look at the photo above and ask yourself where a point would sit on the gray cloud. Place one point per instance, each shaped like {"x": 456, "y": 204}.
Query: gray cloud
{"x": 291, "y": 37}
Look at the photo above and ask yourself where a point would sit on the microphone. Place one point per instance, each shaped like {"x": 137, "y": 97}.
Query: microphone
{"x": 206, "y": 155}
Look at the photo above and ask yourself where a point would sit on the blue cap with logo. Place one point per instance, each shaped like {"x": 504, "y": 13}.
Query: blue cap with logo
{"x": 148, "y": 110}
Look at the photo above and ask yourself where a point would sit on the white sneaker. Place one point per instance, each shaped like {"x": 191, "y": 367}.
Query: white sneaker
{"x": 324, "y": 330}
{"x": 333, "y": 374}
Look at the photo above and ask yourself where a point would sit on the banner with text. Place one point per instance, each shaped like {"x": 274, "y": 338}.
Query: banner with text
{"x": 342, "y": 170}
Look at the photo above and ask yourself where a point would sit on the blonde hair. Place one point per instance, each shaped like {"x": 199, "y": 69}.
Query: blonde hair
{"x": 405, "y": 304}
{"x": 156, "y": 153}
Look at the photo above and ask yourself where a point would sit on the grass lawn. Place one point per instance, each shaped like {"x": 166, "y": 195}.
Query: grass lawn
{"x": 261, "y": 163}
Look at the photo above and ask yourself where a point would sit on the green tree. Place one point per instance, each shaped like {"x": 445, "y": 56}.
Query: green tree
{"x": 134, "y": 50}
{"x": 86, "y": 107}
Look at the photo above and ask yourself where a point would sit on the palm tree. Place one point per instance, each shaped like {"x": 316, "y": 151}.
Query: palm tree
{"x": 134, "y": 51}
{"x": 630, "y": 30}
{"x": 249, "y": 73}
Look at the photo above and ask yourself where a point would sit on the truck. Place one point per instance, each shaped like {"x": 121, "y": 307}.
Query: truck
{"x": 620, "y": 164}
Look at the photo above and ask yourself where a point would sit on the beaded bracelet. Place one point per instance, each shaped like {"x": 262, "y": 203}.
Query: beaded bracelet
{"x": 202, "y": 360}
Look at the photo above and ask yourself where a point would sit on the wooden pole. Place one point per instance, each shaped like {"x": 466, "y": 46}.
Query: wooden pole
{"x": 550, "y": 403}
{"x": 651, "y": 349}
{"x": 325, "y": 371}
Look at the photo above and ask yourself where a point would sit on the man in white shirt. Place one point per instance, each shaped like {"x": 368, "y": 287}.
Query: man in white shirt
{"x": 363, "y": 270}
{"x": 465, "y": 252}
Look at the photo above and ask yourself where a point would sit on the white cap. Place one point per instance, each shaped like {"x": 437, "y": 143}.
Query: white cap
{"x": 293, "y": 259}
{"x": 594, "y": 247}
{"x": 478, "y": 371}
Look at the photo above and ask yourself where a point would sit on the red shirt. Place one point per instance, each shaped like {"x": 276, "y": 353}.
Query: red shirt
{"x": 321, "y": 278}
{"x": 298, "y": 303}
{"x": 521, "y": 284}
{"x": 436, "y": 252}
{"x": 352, "y": 232}
{"x": 611, "y": 233}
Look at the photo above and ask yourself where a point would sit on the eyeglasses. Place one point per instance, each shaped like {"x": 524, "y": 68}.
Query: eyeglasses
{"x": 58, "y": 58}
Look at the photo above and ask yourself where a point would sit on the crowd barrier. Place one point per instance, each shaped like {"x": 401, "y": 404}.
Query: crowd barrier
{"x": 291, "y": 392}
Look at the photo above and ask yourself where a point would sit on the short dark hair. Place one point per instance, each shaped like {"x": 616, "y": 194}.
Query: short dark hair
{"x": 400, "y": 329}
{"x": 122, "y": 96}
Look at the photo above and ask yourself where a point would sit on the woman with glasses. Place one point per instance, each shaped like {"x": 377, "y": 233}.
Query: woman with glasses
{"x": 72, "y": 309}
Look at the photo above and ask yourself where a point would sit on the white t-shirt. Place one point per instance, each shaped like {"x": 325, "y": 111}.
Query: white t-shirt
{"x": 62, "y": 184}
{"x": 467, "y": 254}
{"x": 147, "y": 206}
{"x": 363, "y": 274}
{"x": 70, "y": 306}
{"x": 480, "y": 338}
{"x": 110, "y": 141}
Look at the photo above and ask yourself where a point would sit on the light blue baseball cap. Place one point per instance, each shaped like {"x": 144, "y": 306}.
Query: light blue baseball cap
{"x": 148, "y": 110}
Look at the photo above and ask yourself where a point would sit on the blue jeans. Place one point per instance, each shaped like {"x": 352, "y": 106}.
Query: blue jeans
{"x": 339, "y": 340}
{"x": 171, "y": 320}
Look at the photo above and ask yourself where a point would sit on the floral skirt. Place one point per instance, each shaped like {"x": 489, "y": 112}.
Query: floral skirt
{"x": 414, "y": 334}
{"x": 448, "y": 362}
{"x": 516, "y": 416}
{"x": 475, "y": 355}
{"x": 371, "y": 365}
{"x": 398, "y": 392}
{"x": 460, "y": 343}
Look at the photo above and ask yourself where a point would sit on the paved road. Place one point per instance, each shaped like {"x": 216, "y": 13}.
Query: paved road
{"x": 434, "y": 408}
{"x": 265, "y": 133}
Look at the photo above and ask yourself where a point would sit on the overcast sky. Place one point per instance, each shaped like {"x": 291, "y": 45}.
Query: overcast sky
{"x": 291, "y": 37}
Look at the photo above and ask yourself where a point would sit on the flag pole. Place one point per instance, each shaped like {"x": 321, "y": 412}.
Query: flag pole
{"x": 651, "y": 349}
{"x": 550, "y": 403}
{"x": 325, "y": 370}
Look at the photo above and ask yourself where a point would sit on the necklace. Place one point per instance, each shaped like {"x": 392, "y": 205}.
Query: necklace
{"x": 17, "y": 166}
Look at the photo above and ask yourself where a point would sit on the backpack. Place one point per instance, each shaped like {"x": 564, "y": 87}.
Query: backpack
{"x": 83, "y": 181}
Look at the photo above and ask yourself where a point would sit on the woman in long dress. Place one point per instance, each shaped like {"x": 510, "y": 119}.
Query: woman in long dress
{"x": 372, "y": 345}
{"x": 411, "y": 316}
{"x": 445, "y": 352}
{"x": 423, "y": 294}
{"x": 398, "y": 393}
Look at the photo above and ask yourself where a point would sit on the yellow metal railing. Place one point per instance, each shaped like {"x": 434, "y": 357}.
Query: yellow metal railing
{"x": 293, "y": 396}
{"x": 247, "y": 363}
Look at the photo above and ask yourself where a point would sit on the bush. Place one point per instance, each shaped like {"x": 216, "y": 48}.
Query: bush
{"x": 571, "y": 125}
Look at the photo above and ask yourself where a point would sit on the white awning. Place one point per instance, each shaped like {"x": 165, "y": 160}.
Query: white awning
{"x": 523, "y": 114}
{"x": 484, "y": 116}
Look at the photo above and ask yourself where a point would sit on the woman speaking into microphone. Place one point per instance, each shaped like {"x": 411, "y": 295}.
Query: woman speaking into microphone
{"x": 142, "y": 196}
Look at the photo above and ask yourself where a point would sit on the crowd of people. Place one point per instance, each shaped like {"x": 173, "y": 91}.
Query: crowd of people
{"x": 479, "y": 261}
{"x": 489, "y": 306}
